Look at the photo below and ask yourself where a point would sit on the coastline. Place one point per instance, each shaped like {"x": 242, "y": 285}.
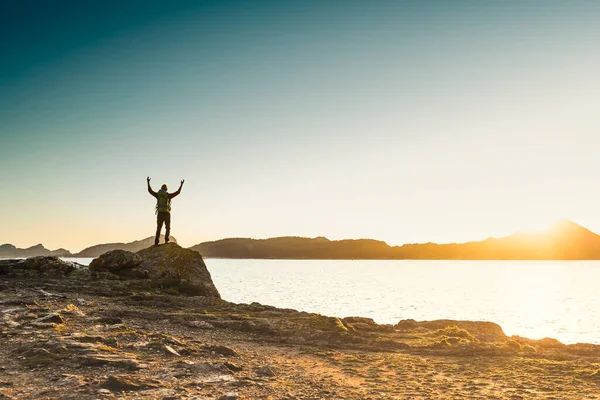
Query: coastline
{"x": 71, "y": 336}
{"x": 406, "y": 292}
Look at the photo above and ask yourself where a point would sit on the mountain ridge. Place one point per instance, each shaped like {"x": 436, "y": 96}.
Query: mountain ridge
{"x": 564, "y": 240}
{"x": 134, "y": 247}
{"x": 8, "y": 250}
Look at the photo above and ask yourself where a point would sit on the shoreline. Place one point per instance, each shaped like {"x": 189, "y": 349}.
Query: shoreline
{"x": 568, "y": 336}
{"x": 84, "y": 336}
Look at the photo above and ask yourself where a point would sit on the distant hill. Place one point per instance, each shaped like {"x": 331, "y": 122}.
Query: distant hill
{"x": 565, "y": 240}
{"x": 10, "y": 251}
{"x": 295, "y": 248}
{"x": 99, "y": 249}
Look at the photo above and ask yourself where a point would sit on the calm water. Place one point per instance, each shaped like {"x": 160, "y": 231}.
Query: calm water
{"x": 535, "y": 299}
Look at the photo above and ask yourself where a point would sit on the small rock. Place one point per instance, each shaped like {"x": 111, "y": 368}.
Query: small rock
{"x": 83, "y": 302}
{"x": 115, "y": 327}
{"x": 121, "y": 384}
{"x": 51, "y": 318}
{"x": 104, "y": 391}
{"x": 362, "y": 320}
{"x": 229, "y": 396}
{"x": 48, "y": 294}
{"x": 72, "y": 310}
{"x": 513, "y": 345}
{"x": 529, "y": 349}
{"x": 360, "y": 326}
{"x": 11, "y": 323}
{"x": 209, "y": 369}
{"x": 109, "y": 320}
{"x": 167, "y": 394}
{"x": 172, "y": 351}
{"x": 113, "y": 361}
{"x": 185, "y": 364}
{"x": 200, "y": 325}
{"x": 265, "y": 371}
{"x": 407, "y": 324}
{"x": 43, "y": 325}
{"x": 232, "y": 367}
{"x": 225, "y": 351}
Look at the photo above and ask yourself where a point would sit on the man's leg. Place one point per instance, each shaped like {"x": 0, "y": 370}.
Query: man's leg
{"x": 168, "y": 226}
{"x": 159, "y": 224}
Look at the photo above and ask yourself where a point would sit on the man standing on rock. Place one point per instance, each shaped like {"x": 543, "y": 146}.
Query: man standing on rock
{"x": 163, "y": 209}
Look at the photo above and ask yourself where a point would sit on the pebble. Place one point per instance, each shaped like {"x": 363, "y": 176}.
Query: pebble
{"x": 265, "y": 371}
{"x": 229, "y": 396}
{"x": 233, "y": 367}
{"x": 223, "y": 350}
{"x": 200, "y": 325}
{"x": 172, "y": 351}
{"x": 115, "y": 327}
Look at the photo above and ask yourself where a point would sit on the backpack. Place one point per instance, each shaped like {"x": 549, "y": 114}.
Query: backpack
{"x": 163, "y": 202}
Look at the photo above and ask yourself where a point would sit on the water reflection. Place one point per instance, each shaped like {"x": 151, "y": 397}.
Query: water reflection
{"x": 535, "y": 299}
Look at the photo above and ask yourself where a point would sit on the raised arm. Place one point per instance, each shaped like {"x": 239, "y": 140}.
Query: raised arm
{"x": 174, "y": 194}
{"x": 152, "y": 192}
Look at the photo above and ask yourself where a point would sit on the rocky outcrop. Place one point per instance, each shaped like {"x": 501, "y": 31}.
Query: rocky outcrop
{"x": 168, "y": 267}
{"x": 177, "y": 267}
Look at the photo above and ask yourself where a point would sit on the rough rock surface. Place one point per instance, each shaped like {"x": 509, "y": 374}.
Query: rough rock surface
{"x": 174, "y": 266}
{"x": 115, "y": 260}
{"x": 47, "y": 265}
{"x": 482, "y": 330}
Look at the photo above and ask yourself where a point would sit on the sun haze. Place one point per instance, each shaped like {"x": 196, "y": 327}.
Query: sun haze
{"x": 400, "y": 121}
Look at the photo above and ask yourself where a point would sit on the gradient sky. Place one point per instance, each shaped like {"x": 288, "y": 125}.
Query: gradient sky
{"x": 404, "y": 121}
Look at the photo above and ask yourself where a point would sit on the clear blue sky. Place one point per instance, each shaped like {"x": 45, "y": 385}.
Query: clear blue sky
{"x": 404, "y": 121}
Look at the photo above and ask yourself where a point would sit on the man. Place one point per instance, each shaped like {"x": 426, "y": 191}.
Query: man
{"x": 163, "y": 209}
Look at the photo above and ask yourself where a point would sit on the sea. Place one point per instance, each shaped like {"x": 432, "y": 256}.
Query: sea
{"x": 534, "y": 299}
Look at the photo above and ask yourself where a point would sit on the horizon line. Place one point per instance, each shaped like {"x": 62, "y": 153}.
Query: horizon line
{"x": 522, "y": 231}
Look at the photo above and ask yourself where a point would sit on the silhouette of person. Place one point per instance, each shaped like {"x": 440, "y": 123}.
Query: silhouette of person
{"x": 163, "y": 209}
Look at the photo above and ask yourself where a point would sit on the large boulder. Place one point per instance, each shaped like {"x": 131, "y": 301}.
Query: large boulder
{"x": 168, "y": 267}
{"x": 116, "y": 260}
{"x": 182, "y": 269}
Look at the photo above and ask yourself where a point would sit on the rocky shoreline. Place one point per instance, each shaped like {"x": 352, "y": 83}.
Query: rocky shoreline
{"x": 152, "y": 325}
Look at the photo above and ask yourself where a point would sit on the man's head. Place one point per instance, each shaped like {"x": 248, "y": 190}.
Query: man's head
{"x": 164, "y": 187}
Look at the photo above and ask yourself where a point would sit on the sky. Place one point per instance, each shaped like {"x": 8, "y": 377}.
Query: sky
{"x": 403, "y": 121}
